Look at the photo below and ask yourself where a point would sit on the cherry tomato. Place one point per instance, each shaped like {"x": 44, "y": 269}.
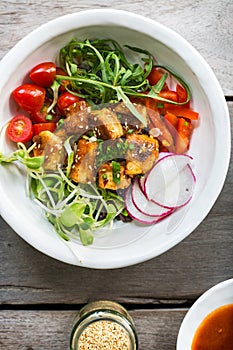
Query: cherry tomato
{"x": 66, "y": 100}
{"x": 41, "y": 116}
{"x": 30, "y": 97}
{"x": 19, "y": 129}
{"x": 37, "y": 128}
{"x": 43, "y": 74}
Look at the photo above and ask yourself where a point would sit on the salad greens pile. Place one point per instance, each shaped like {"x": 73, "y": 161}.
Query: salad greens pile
{"x": 75, "y": 210}
{"x": 99, "y": 72}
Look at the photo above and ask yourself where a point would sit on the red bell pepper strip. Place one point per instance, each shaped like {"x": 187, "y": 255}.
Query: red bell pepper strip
{"x": 155, "y": 75}
{"x": 171, "y": 122}
{"x": 37, "y": 128}
{"x": 184, "y": 132}
{"x": 180, "y": 111}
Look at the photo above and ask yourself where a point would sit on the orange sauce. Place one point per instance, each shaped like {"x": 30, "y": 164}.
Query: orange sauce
{"x": 216, "y": 330}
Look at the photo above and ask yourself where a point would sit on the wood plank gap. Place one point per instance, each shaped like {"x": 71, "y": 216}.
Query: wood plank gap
{"x": 229, "y": 98}
{"x": 71, "y": 307}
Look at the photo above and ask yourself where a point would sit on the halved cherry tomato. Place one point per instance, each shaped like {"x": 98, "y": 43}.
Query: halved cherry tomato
{"x": 37, "y": 128}
{"x": 184, "y": 132}
{"x": 66, "y": 100}
{"x": 19, "y": 129}
{"x": 41, "y": 116}
{"x": 43, "y": 74}
{"x": 29, "y": 97}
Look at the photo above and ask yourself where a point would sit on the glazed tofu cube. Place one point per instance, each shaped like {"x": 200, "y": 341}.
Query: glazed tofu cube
{"x": 75, "y": 108}
{"x": 76, "y": 124}
{"x": 128, "y": 120}
{"x": 142, "y": 154}
{"x": 106, "y": 177}
{"x": 51, "y": 147}
{"x": 106, "y": 124}
{"x": 83, "y": 170}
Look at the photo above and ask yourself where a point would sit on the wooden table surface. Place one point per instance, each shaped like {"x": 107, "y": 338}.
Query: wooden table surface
{"x": 39, "y": 296}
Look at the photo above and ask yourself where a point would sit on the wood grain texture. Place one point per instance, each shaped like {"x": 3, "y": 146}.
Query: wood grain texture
{"x": 39, "y": 330}
{"x": 207, "y": 25}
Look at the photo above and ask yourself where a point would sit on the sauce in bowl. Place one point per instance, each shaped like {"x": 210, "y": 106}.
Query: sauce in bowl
{"x": 216, "y": 330}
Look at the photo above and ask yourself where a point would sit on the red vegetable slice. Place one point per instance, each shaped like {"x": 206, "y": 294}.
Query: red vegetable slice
{"x": 37, "y": 128}
{"x": 30, "y": 97}
{"x": 67, "y": 99}
{"x": 144, "y": 205}
{"x": 155, "y": 75}
{"x": 180, "y": 111}
{"x": 43, "y": 74}
{"x": 184, "y": 132}
{"x": 42, "y": 116}
{"x": 20, "y": 129}
{"x": 135, "y": 213}
{"x": 182, "y": 95}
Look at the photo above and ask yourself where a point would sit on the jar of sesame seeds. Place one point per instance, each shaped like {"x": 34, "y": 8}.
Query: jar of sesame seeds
{"x": 103, "y": 325}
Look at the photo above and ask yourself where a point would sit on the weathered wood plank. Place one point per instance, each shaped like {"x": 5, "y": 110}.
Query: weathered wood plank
{"x": 35, "y": 330}
{"x": 207, "y": 25}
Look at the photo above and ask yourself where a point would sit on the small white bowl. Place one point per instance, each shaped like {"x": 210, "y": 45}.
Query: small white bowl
{"x": 219, "y": 295}
{"x": 126, "y": 244}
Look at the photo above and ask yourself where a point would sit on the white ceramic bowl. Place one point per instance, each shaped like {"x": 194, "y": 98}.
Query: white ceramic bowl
{"x": 127, "y": 244}
{"x": 219, "y": 295}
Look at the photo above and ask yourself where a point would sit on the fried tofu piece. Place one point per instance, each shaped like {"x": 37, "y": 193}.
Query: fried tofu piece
{"x": 83, "y": 170}
{"x": 51, "y": 147}
{"x": 75, "y": 108}
{"x": 127, "y": 119}
{"x": 76, "y": 124}
{"x": 142, "y": 154}
{"x": 106, "y": 181}
{"x": 105, "y": 124}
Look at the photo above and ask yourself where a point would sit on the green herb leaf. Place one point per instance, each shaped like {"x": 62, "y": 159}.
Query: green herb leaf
{"x": 72, "y": 214}
{"x": 116, "y": 168}
{"x": 86, "y": 236}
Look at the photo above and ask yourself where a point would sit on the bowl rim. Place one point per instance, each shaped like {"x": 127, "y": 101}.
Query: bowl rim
{"x": 210, "y": 293}
{"x": 147, "y": 26}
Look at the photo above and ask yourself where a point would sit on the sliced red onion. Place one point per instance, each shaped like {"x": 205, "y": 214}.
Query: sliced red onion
{"x": 170, "y": 183}
{"x": 144, "y": 205}
{"x": 135, "y": 213}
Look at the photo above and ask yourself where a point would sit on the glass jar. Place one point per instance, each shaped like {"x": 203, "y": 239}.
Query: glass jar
{"x": 106, "y": 324}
